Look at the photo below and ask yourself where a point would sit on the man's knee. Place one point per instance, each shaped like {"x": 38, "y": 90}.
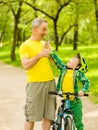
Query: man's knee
{"x": 46, "y": 124}
{"x": 29, "y": 125}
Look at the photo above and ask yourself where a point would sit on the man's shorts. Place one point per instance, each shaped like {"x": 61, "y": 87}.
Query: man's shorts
{"x": 40, "y": 104}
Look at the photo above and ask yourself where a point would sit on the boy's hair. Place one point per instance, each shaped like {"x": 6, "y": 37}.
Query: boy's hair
{"x": 82, "y": 63}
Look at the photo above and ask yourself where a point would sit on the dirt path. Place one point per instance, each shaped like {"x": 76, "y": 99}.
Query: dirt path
{"x": 12, "y": 96}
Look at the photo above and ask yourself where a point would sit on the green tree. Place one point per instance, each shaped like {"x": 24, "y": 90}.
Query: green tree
{"x": 69, "y": 22}
{"x": 16, "y": 14}
{"x": 15, "y": 7}
{"x": 4, "y": 23}
{"x": 87, "y": 22}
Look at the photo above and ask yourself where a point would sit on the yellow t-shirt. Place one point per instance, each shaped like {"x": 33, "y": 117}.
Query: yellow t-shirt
{"x": 41, "y": 71}
{"x": 67, "y": 85}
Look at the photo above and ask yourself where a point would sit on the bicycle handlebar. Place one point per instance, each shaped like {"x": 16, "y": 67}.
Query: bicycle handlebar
{"x": 60, "y": 93}
{"x": 85, "y": 94}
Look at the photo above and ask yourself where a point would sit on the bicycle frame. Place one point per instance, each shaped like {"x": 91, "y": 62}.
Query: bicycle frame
{"x": 64, "y": 115}
{"x": 67, "y": 113}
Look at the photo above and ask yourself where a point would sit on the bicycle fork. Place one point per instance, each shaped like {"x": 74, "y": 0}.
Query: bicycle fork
{"x": 65, "y": 122}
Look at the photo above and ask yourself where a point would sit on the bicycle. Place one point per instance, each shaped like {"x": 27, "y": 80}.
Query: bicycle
{"x": 65, "y": 117}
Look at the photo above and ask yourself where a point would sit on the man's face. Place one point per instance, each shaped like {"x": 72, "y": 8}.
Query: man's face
{"x": 73, "y": 63}
{"x": 41, "y": 30}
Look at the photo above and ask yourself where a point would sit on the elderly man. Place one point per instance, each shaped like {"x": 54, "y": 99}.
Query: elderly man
{"x": 39, "y": 77}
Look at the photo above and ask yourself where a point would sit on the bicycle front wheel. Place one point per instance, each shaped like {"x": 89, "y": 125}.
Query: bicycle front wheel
{"x": 68, "y": 124}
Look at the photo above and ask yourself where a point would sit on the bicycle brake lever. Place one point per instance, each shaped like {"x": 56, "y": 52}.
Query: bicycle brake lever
{"x": 60, "y": 92}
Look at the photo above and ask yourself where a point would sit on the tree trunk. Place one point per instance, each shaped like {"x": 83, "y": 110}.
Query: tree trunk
{"x": 96, "y": 12}
{"x": 16, "y": 18}
{"x": 13, "y": 57}
{"x": 19, "y": 36}
{"x": 56, "y": 40}
{"x": 75, "y": 37}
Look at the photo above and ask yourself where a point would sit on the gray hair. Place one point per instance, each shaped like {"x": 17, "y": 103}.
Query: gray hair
{"x": 37, "y": 22}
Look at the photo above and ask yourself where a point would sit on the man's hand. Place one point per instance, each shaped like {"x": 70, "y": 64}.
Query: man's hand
{"x": 47, "y": 45}
{"x": 81, "y": 93}
{"x": 44, "y": 53}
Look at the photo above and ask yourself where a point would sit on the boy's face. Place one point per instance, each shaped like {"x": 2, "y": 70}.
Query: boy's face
{"x": 73, "y": 63}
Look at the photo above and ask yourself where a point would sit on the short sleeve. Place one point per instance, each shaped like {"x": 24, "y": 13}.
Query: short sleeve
{"x": 24, "y": 51}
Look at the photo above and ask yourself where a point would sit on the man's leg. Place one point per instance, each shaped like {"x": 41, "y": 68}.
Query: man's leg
{"x": 46, "y": 124}
{"x": 29, "y": 125}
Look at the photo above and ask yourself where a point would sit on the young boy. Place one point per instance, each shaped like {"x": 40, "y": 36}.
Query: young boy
{"x": 70, "y": 74}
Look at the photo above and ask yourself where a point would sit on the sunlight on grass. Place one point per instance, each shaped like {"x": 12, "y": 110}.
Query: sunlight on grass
{"x": 93, "y": 72}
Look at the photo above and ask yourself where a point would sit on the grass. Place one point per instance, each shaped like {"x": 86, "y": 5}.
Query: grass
{"x": 90, "y": 52}
{"x": 5, "y": 56}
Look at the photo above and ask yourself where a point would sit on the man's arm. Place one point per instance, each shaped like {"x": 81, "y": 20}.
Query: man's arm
{"x": 27, "y": 63}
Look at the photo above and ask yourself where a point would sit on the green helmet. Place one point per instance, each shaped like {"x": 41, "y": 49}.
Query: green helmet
{"x": 83, "y": 64}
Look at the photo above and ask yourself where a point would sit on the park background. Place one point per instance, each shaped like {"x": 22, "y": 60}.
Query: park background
{"x": 72, "y": 28}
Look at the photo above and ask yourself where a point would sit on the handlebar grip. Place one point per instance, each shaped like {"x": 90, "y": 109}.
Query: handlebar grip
{"x": 86, "y": 94}
{"x": 54, "y": 93}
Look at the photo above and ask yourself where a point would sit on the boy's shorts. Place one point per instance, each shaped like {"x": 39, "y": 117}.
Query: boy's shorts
{"x": 40, "y": 104}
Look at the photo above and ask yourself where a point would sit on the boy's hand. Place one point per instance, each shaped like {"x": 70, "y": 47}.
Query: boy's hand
{"x": 81, "y": 93}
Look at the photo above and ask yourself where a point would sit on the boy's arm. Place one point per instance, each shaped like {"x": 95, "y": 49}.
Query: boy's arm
{"x": 85, "y": 83}
{"x": 58, "y": 62}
